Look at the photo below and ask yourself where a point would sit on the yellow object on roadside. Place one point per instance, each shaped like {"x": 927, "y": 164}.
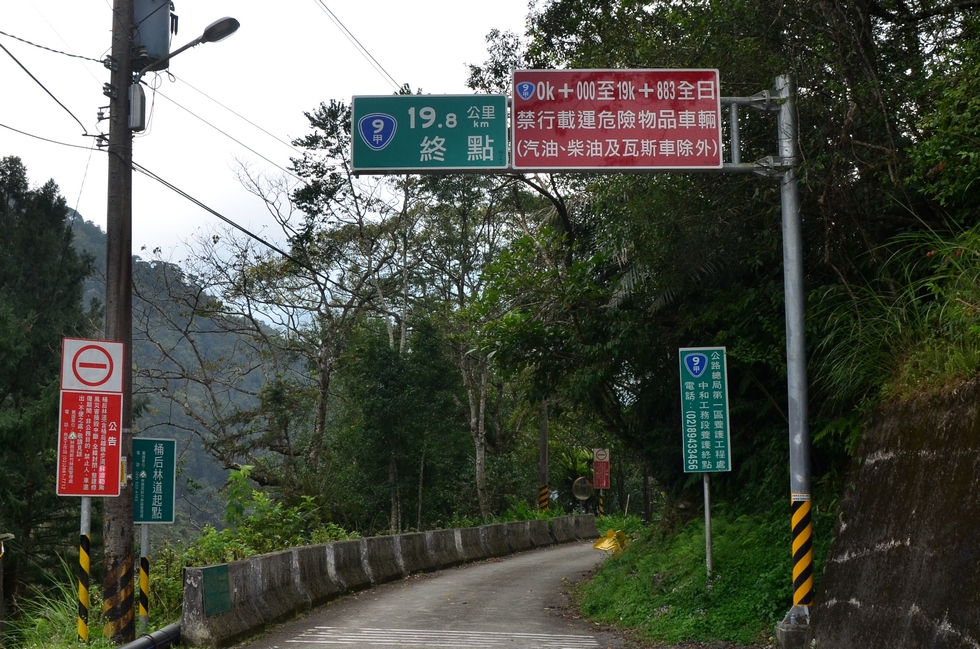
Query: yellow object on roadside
{"x": 614, "y": 540}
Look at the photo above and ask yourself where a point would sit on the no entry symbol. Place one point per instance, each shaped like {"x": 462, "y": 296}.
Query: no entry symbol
{"x": 91, "y": 365}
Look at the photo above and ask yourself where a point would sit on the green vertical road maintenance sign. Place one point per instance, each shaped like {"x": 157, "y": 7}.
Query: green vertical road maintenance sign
{"x": 704, "y": 410}
{"x": 429, "y": 133}
{"x": 154, "y": 480}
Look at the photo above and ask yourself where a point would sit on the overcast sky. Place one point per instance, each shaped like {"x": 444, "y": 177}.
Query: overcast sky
{"x": 285, "y": 59}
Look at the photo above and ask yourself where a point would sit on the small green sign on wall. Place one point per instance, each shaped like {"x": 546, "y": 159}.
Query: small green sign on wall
{"x": 704, "y": 410}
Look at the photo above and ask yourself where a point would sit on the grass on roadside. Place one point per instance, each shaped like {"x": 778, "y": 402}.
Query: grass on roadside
{"x": 659, "y": 586}
{"x": 49, "y": 618}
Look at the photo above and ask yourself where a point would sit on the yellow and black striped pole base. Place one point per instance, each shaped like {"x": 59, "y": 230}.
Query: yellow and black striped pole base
{"x": 602, "y": 504}
{"x": 144, "y": 612}
{"x": 544, "y": 498}
{"x": 802, "y": 550}
{"x": 85, "y": 562}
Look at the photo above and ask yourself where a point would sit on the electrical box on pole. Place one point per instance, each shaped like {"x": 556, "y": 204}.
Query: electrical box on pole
{"x": 151, "y": 35}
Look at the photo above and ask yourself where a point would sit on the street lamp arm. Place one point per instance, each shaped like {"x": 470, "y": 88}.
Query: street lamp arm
{"x": 216, "y": 31}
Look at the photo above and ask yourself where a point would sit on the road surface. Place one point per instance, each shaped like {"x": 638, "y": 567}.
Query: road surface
{"x": 518, "y": 602}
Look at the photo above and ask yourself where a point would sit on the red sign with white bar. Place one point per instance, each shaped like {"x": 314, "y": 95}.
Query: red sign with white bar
{"x": 89, "y": 443}
{"x": 616, "y": 119}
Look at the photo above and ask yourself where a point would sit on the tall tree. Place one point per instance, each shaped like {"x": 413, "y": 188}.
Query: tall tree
{"x": 41, "y": 279}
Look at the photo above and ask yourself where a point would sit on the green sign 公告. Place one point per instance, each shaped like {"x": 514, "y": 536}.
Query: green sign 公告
{"x": 704, "y": 410}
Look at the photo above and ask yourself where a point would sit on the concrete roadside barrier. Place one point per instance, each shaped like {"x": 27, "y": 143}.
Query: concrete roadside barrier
{"x": 585, "y": 527}
{"x": 345, "y": 565}
{"x": 495, "y": 539}
{"x": 314, "y": 578}
{"x": 381, "y": 559}
{"x": 562, "y": 529}
{"x": 414, "y": 553}
{"x": 228, "y": 602}
{"x": 539, "y": 533}
{"x": 274, "y": 588}
{"x": 445, "y": 548}
{"x": 219, "y": 606}
{"x": 470, "y": 540}
{"x": 518, "y": 536}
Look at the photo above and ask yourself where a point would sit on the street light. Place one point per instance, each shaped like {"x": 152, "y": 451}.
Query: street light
{"x": 216, "y": 31}
{"x": 118, "y": 541}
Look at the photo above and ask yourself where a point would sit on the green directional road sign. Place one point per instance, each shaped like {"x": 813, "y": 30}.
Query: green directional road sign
{"x": 704, "y": 410}
{"x": 429, "y": 133}
{"x": 154, "y": 478}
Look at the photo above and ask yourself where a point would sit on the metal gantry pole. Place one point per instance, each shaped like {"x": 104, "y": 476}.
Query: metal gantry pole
{"x": 783, "y": 167}
{"x": 796, "y": 375}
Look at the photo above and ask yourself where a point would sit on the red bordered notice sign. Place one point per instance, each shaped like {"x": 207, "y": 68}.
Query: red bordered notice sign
{"x": 89, "y": 444}
{"x": 604, "y": 120}
{"x": 90, "y": 418}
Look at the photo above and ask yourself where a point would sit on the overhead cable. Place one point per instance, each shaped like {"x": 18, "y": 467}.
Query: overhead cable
{"x": 38, "y": 82}
{"x": 43, "y": 139}
{"x": 239, "y": 142}
{"x": 74, "y": 56}
{"x": 364, "y": 51}
{"x": 146, "y": 172}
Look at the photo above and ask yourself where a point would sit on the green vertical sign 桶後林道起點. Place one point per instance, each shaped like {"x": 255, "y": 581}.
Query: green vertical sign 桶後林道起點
{"x": 704, "y": 409}
{"x": 154, "y": 480}
{"x": 428, "y": 133}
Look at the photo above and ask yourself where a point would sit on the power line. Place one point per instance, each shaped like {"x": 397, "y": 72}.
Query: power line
{"x": 239, "y": 142}
{"x": 38, "y": 82}
{"x": 238, "y": 115}
{"x": 364, "y": 51}
{"x": 44, "y": 139}
{"x": 146, "y": 172}
{"x": 74, "y": 56}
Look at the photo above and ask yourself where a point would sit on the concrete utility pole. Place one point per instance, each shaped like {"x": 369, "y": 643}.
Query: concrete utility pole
{"x": 117, "y": 533}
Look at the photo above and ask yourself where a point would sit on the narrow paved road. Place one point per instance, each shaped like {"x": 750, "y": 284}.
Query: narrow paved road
{"x": 518, "y": 602}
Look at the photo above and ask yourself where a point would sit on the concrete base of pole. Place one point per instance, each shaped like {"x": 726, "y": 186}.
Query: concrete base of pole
{"x": 791, "y": 632}
{"x": 791, "y": 635}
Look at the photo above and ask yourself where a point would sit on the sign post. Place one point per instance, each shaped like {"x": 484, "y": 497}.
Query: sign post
{"x": 600, "y": 475}
{"x": 704, "y": 417}
{"x": 89, "y": 439}
{"x": 154, "y": 489}
{"x": 429, "y": 133}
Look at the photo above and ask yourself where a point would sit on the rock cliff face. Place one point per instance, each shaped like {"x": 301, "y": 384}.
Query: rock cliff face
{"x": 904, "y": 568}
